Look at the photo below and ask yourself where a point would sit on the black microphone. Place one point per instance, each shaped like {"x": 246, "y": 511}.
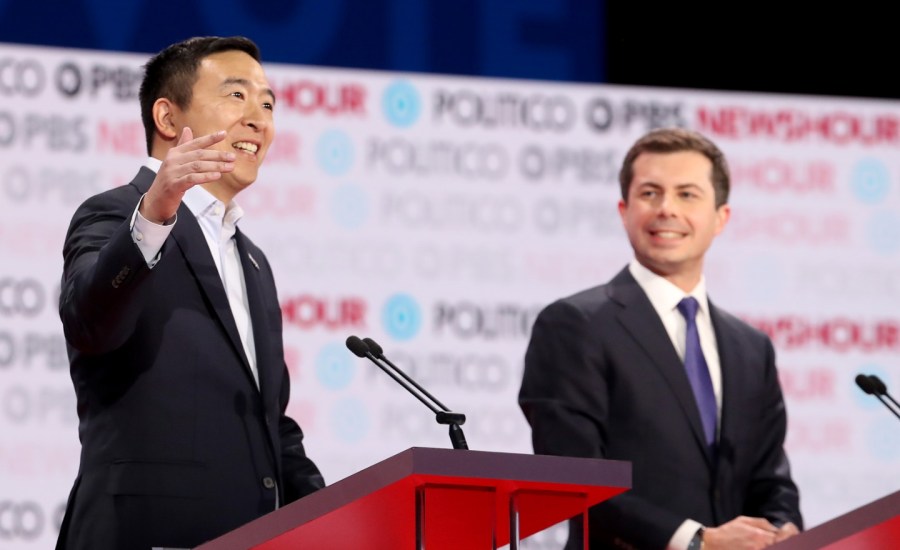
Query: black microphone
{"x": 881, "y": 389}
{"x": 873, "y": 385}
{"x": 370, "y": 349}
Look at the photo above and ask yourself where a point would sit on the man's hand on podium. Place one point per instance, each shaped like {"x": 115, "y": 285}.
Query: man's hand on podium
{"x": 746, "y": 533}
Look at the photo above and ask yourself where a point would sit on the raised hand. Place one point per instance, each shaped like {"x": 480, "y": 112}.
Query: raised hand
{"x": 191, "y": 162}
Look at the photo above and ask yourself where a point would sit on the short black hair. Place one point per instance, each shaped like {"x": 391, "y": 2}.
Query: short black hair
{"x": 172, "y": 72}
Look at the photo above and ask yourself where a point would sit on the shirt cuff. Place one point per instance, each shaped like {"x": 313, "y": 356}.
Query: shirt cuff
{"x": 148, "y": 236}
{"x": 683, "y": 535}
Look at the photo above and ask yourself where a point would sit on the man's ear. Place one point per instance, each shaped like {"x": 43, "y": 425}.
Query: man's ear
{"x": 164, "y": 118}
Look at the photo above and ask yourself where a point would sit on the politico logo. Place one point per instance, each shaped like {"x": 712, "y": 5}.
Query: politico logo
{"x": 21, "y": 77}
{"x": 509, "y": 110}
{"x": 401, "y": 104}
{"x": 795, "y": 125}
{"x": 603, "y": 114}
{"x": 467, "y": 160}
{"x": 27, "y": 520}
{"x": 467, "y": 320}
{"x": 21, "y": 297}
{"x": 309, "y": 312}
{"x": 307, "y": 97}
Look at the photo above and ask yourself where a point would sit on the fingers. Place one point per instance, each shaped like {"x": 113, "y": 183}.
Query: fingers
{"x": 192, "y": 162}
{"x": 186, "y": 136}
{"x": 187, "y": 142}
{"x": 786, "y": 531}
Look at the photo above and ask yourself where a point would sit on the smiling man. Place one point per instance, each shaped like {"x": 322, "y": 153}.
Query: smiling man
{"x": 173, "y": 324}
{"x": 646, "y": 369}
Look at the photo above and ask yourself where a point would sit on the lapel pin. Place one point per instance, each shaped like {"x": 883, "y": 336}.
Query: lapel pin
{"x": 253, "y": 261}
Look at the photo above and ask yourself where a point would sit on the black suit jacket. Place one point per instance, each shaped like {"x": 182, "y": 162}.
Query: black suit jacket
{"x": 178, "y": 443}
{"x": 603, "y": 380}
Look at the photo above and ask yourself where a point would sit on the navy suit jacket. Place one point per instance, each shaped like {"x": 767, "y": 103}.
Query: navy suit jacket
{"x": 179, "y": 445}
{"x": 603, "y": 380}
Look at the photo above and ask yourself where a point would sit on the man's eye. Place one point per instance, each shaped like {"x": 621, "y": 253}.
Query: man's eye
{"x": 238, "y": 94}
{"x": 268, "y": 106}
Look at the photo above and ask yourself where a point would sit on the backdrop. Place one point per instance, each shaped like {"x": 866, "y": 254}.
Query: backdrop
{"x": 438, "y": 215}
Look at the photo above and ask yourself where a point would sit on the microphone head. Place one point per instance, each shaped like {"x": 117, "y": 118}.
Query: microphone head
{"x": 877, "y": 385}
{"x": 357, "y": 346}
{"x": 865, "y": 383}
{"x": 374, "y": 347}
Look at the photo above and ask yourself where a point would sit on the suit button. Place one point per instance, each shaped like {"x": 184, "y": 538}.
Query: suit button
{"x": 268, "y": 482}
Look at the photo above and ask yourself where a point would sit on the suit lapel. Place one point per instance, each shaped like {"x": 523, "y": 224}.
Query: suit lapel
{"x": 260, "y": 323}
{"x": 730, "y": 362}
{"x": 190, "y": 239}
{"x": 641, "y": 321}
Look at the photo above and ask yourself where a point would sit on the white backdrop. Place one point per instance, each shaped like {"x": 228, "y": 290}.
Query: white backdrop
{"x": 437, "y": 215}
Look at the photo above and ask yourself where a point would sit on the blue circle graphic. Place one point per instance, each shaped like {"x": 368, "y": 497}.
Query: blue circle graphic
{"x": 401, "y": 104}
{"x": 402, "y": 317}
{"x": 350, "y": 420}
{"x": 335, "y": 366}
{"x": 883, "y": 232}
{"x": 334, "y": 152}
{"x": 870, "y": 181}
{"x": 350, "y": 205}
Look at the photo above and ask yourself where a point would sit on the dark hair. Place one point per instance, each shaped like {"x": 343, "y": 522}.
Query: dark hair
{"x": 674, "y": 140}
{"x": 172, "y": 73}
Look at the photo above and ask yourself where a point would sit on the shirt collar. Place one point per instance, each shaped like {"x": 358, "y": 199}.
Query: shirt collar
{"x": 663, "y": 294}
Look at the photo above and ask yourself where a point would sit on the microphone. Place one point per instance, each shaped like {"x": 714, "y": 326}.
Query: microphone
{"x": 873, "y": 385}
{"x": 370, "y": 349}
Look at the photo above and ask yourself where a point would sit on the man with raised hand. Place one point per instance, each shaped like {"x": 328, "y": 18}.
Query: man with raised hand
{"x": 173, "y": 323}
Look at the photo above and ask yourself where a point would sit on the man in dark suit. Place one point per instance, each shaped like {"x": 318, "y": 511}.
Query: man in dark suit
{"x": 173, "y": 323}
{"x": 646, "y": 369}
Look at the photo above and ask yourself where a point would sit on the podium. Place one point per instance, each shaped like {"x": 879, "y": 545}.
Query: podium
{"x": 437, "y": 499}
{"x": 874, "y": 525}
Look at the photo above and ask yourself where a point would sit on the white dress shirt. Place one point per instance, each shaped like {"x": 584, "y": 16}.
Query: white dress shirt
{"x": 219, "y": 223}
{"x": 665, "y": 296}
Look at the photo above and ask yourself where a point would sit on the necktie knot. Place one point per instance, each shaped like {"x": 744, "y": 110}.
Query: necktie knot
{"x": 688, "y": 308}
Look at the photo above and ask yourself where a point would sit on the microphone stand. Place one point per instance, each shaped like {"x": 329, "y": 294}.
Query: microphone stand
{"x": 370, "y": 349}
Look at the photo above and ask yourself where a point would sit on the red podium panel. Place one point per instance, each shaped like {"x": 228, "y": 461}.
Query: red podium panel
{"x": 873, "y": 526}
{"x": 436, "y": 499}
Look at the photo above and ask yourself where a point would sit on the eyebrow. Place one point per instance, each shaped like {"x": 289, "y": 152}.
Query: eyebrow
{"x": 244, "y": 82}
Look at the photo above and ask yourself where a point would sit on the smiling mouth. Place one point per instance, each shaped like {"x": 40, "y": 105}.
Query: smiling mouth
{"x": 246, "y": 147}
{"x": 667, "y": 235}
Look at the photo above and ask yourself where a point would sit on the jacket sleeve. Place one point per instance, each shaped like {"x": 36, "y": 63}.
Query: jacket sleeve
{"x": 104, "y": 273}
{"x": 565, "y": 397}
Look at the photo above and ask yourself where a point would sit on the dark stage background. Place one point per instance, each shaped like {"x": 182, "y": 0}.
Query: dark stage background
{"x": 823, "y": 51}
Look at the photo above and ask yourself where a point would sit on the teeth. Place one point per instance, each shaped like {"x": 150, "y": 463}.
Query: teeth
{"x": 668, "y": 234}
{"x": 246, "y": 146}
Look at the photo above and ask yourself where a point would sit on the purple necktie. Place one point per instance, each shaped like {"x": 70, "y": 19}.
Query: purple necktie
{"x": 698, "y": 372}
